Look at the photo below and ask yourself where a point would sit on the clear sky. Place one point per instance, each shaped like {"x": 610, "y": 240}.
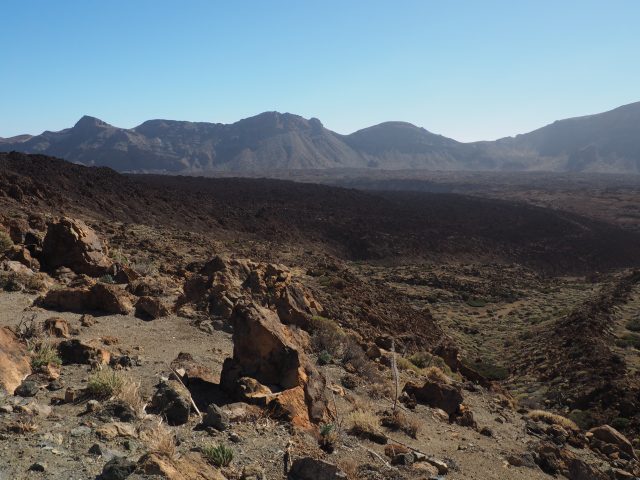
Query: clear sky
{"x": 470, "y": 70}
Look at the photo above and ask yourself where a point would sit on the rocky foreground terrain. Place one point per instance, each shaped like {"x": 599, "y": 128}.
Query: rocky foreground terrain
{"x": 271, "y": 334}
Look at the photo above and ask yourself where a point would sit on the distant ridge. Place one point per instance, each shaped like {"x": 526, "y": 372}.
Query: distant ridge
{"x": 606, "y": 142}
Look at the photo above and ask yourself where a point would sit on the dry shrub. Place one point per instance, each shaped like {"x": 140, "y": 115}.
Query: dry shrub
{"x": 326, "y": 335}
{"x": 44, "y": 354}
{"x": 436, "y": 375}
{"x": 363, "y": 423}
{"x": 355, "y": 357}
{"x": 552, "y": 419}
{"x": 159, "y": 439}
{"x": 5, "y": 241}
{"x": 130, "y": 394}
{"x": 350, "y": 468}
{"x": 109, "y": 383}
{"x": 404, "y": 364}
{"x": 398, "y": 420}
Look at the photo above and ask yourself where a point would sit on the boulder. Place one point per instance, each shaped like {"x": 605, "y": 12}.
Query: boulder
{"x": 150, "y": 308}
{"x": 437, "y": 395}
{"x": 308, "y": 468}
{"x": 118, "y": 468}
{"x": 71, "y": 243}
{"x": 28, "y": 388}
{"x": 222, "y": 282}
{"x": 15, "y": 365}
{"x": 216, "y": 418}
{"x": 83, "y": 352}
{"x": 269, "y": 352}
{"x": 21, "y": 255}
{"x": 608, "y": 434}
{"x": 57, "y": 326}
{"x": 99, "y": 297}
{"x": 172, "y": 401}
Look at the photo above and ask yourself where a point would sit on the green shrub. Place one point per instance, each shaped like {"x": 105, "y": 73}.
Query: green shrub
{"x": 476, "y": 302}
{"x": 5, "y": 241}
{"x": 324, "y": 358}
{"x": 107, "y": 279}
{"x": 620, "y": 423}
{"x": 105, "y": 383}
{"x": 43, "y": 355}
{"x": 634, "y": 324}
{"x": 629, "y": 340}
{"x": 220, "y": 455}
{"x": 489, "y": 370}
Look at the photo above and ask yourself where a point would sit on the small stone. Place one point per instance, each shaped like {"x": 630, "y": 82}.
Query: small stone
{"x": 80, "y": 431}
{"x": 96, "y": 449}
{"x": 117, "y": 468}
{"x": 71, "y": 395}
{"x": 28, "y": 388}
{"x": 55, "y": 385}
{"x": 37, "y": 467}
{"x": 235, "y": 438}
{"x": 216, "y": 418}
{"x": 486, "y": 431}
{"x": 253, "y": 472}
{"x": 6, "y": 409}
{"x": 442, "y": 467}
{"x": 93, "y": 406}
{"x": 403, "y": 459}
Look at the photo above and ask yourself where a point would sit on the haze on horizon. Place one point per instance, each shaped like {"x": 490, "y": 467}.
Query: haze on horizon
{"x": 467, "y": 70}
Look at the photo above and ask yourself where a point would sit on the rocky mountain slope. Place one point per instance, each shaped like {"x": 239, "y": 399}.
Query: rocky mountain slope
{"x": 391, "y": 226}
{"x": 147, "y": 348}
{"x": 607, "y": 142}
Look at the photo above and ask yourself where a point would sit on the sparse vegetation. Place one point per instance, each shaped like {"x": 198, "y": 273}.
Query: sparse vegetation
{"x": 398, "y": 420}
{"x": 328, "y": 437}
{"x": 107, "y": 279}
{"x": 634, "y": 324}
{"x": 363, "y": 423}
{"x": 5, "y": 241}
{"x": 105, "y": 383}
{"x": 552, "y": 419}
{"x": 220, "y": 455}
{"x": 44, "y": 354}
{"x": 159, "y": 439}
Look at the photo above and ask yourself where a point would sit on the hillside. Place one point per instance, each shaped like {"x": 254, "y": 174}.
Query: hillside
{"x": 606, "y": 142}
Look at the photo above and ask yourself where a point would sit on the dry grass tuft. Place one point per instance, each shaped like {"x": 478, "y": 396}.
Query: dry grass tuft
{"x": 552, "y": 419}
{"x": 435, "y": 374}
{"x": 363, "y": 423}
{"x": 398, "y": 420}
{"x": 109, "y": 383}
{"x": 159, "y": 439}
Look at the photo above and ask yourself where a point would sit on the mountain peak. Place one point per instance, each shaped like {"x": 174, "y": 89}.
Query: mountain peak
{"x": 90, "y": 122}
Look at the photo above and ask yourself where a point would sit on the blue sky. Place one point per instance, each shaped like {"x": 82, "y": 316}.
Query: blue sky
{"x": 469, "y": 70}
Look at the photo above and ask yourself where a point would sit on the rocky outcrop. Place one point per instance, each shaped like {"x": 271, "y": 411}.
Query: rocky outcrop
{"x": 437, "y": 395}
{"x": 71, "y": 243}
{"x": 83, "y": 352}
{"x": 14, "y": 361}
{"x": 610, "y": 436}
{"x": 99, "y": 297}
{"x": 190, "y": 466}
{"x": 222, "y": 282}
{"x": 308, "y": 468}
{"x": 172, "y": 401}
{"x": 150, "y": 308}
{"x": 269, "y": 352}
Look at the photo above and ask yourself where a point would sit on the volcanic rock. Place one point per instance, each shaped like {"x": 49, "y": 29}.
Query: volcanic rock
{"x": 14, "y": 361}
{"x": 71, "y": 243}
{"x": 437, "y": 395}
{"x": 269, "y": 352}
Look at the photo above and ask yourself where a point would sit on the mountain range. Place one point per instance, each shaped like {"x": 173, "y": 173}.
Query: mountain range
{"x": 605, "y": 142}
